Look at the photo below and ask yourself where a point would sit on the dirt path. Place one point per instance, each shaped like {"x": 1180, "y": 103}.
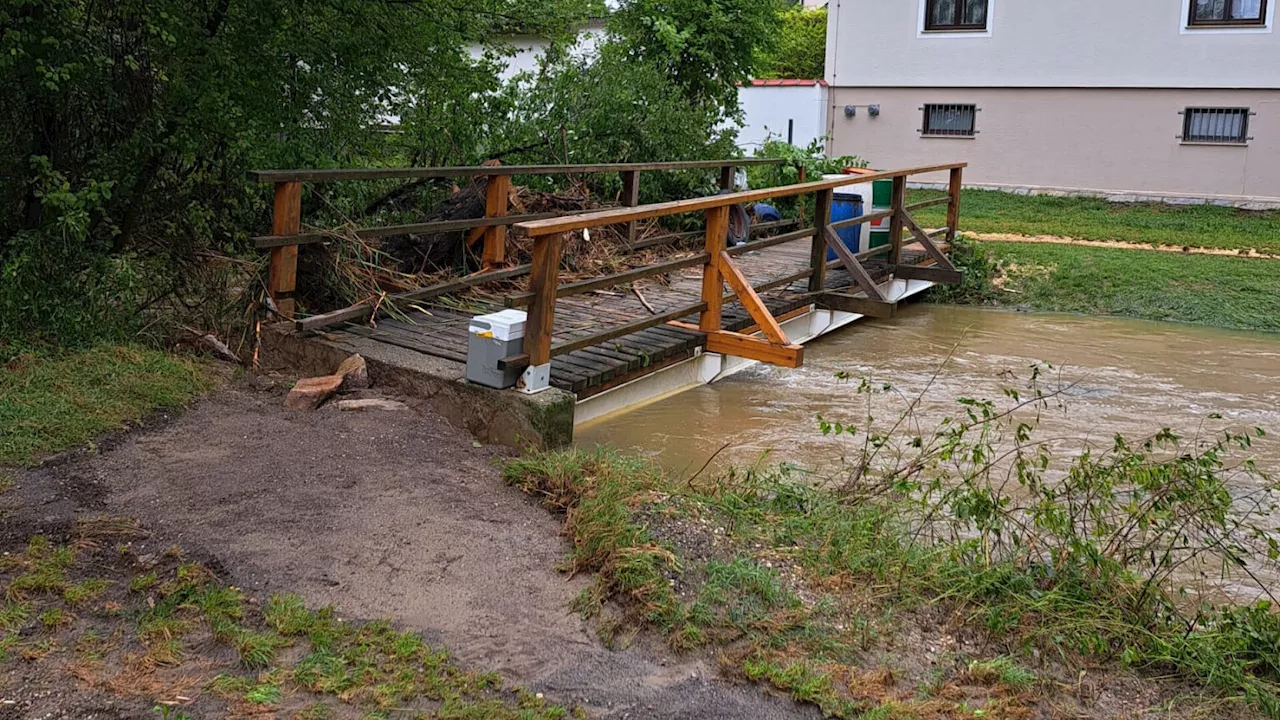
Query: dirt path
{"x": 1116, "y": 244}
{"x": 382, "y": 515}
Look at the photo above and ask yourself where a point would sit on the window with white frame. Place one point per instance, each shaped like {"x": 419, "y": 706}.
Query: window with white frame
{"x": 1221, "y": 126}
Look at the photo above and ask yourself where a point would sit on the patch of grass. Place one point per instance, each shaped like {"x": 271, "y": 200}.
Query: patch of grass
{"x": 6, "y": 482}
{"x": 803, "y": 682}
{"x": 288, "y": 615}
{"x": 14, "y": 616}
{"x": 257, "y": 650}
{"x": 264, "y": 691}
{"x": 1220, "y": 291}
{"x": 593, "y": 491}
{"x": 53, "y": 404}
{"x": 1003, "y": 670}
{"x": 743, "y": 594}
{"x": 84, "y": 592}
{"x": 56, "y": 618}
{"x": 143, "y": 583}
{"x": 990, "y": 211}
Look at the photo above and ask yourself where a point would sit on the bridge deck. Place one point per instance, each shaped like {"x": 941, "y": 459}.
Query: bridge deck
{"x": 599, "y": 367}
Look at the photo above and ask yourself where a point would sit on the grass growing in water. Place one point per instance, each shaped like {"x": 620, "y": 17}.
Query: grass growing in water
{"x": 1220, "y": 291}
{"x": 827, "y": 591}
{"x": 990, "y": 211}
{"x": 52, "y": 404}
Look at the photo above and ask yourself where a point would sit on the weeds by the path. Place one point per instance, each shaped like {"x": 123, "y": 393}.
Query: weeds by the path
{"x": 56, "y": 403}
{"x": 915, "y": 586}
{"x": 1096, "y": 219}
{"x": 164, "y": 631}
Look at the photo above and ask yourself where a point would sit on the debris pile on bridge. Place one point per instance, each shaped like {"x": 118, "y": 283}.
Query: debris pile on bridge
{"x": 360, "y": 269}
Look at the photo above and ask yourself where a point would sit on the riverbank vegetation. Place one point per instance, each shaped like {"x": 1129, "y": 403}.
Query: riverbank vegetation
{"x": 1226, "y": 292}
{"x": 1197, "y": 226}
{"x": 963, "y": 571}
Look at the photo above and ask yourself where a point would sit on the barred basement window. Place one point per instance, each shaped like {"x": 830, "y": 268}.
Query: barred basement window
{"x": 949, "y": 120}
{"x": 1229, "y": 126}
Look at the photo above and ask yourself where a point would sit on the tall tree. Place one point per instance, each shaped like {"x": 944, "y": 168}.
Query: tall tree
{"x": 707, "y": 47}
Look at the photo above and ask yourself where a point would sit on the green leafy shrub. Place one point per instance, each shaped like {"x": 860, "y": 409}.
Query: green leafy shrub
{"x": 801, "y": 47}
{"x": 812, "y": 158}
{"x": 977, "y": 285}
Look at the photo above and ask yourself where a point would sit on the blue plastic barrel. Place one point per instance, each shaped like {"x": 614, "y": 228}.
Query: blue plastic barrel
{"x": 846, "y": 206}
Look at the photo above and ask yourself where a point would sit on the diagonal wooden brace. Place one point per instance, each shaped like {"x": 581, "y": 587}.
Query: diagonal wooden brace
{"x": 856, "y": 271}
{"x": 751, "y": 301}
{"x": 926, "y": 242}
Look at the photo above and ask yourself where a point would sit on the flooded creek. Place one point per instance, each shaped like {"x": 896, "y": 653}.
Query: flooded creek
{"x": 1114, "y": 376}
{"x": 1126, "y": 376}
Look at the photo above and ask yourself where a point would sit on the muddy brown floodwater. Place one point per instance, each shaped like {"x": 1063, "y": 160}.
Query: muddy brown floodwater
{"x": 1130, "y": 377}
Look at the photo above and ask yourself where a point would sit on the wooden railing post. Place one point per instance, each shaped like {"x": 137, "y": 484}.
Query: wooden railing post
{"x": 895, "y": 221}
{"x": 496, "y": 193}
{"x": 631, "y": 198}
{"x": 953, "y": 206}
{"x": 712, "y": 279}
{"x": 544, "y": 278}
{"x": 726, "y": 177}
{"x": 286, "y": 219}
{"x": 818, "y": 251}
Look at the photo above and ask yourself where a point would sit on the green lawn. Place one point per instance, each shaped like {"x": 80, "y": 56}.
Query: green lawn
{"x": 1095, "y": 219}
{"x": 1211, "y": 290}
{"x": 52, "y": 404}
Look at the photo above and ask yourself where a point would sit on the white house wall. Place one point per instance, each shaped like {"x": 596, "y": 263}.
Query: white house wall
{"x": 768, "y": 109}
{"x": 1048, "y": 43}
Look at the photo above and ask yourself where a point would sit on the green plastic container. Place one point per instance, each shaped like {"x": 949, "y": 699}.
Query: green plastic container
{"x": 881, "y": 199}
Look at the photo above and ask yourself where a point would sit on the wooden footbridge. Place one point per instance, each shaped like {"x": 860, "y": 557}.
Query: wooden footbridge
{"x": 593, "y": 335}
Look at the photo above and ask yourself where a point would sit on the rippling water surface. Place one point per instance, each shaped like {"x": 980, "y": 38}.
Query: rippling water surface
{"x": 1130, "y": 377}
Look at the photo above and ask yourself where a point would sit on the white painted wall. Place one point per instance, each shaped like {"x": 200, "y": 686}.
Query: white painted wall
{"x": 1048, "y": 43}
{"x": 529, "y": 49}
{"x": 767, "y": 109}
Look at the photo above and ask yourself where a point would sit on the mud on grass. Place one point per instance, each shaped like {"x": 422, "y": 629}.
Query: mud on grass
{"x": 788, "y": 589}
{"x": 96, "y": 622}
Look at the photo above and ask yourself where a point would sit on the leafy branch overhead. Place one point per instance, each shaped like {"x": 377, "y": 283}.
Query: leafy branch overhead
{"x": 131, "y": 124}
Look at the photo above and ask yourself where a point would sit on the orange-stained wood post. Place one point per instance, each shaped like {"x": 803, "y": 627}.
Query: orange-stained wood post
{"x": 631, "y": 198}
{"x": 895, "y": 221}
{"x": 496, "y": 192}
{"x": 953, "y": 207}
{"x": 818, "y": 251}
{"x": 544, "y": 279}
{"x": 712, "y": 280}
{"x": 286, "y": 219}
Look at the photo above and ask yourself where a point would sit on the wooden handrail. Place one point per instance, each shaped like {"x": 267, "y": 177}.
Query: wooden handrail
{"x": 718, "y": 268}
{"x": 369, "y": 233}
{"x": 341, "y": 174}
{"x": 581, "y": 221}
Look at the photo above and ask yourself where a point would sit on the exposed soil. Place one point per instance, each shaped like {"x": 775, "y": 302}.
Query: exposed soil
{"x": 382, "y": 515}
{"x": 1120, "y": 244}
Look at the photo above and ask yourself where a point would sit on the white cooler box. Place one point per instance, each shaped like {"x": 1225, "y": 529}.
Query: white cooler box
{"x": 489, "y": 339}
